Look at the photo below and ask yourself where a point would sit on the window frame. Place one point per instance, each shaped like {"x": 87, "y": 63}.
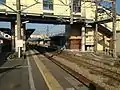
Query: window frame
{"x": 47, "y": 4}
{"x": 76, "y": 6}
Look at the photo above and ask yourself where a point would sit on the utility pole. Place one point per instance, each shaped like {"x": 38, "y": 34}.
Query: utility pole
{"x": 71, "y": 12}
{"x": 96, "y": 28}
{"x": 114, "y": 27}
{"x": 47, "y": 31}
{"x": 18, "y": 6}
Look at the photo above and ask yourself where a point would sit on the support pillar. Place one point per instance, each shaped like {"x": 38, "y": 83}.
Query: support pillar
{"x": 96, "y": 39}
{"x": 16, "y": 48}
{"x": 96, "y": 27}
{"x": 19, "y": 39}
{"x": 104, "y": 43}
{"x": 23, "y": 38}
{"x": 114, "y": 28}
{"x": 73, "y": 34}
{"x": 83, "y": 40}
{"x": 23, "y": 30}
{"x": 13, "y": 35}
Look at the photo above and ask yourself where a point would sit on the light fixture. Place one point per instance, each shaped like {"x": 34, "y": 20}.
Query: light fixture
{"x": 25, "y": 22}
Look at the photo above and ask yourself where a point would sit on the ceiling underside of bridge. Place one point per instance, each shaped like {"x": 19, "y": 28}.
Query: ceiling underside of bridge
{"x": 39, "y": 19}
{"x": 48, "y": 20}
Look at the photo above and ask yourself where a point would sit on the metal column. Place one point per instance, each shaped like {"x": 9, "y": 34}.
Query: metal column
{"x": 24, "y": 36}
{"x": 13, "y": 35}
{"x": 96, "y": 28}
{"x": 83, "y": 39}
{"x": 114, "y": 27}
{"x": 104, "y": 43}
{"x": 18, "y": 6}
{"x": 71, "y": 12}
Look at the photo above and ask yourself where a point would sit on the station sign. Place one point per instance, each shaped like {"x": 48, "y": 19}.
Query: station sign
{"x": 19, "y": 43}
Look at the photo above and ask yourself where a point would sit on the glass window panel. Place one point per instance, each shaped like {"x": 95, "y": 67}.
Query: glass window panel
{"x": 76, "y": 5}
{"x": 51, "y": 6}
{"x": 48, "y": 4}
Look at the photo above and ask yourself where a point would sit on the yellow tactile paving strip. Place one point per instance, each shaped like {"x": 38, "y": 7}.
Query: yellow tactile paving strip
{"x": 51, "y": 82}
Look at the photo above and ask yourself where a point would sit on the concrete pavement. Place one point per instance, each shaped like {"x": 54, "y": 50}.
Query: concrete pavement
{"x": 13, "y": 74}
{"x": 66, "y": 81}
{"x": 36, "y": 80}
{"x": 35, "y": 73}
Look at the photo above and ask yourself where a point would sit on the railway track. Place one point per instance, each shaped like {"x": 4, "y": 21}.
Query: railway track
{"x": 95, "y": 66}
{"x": 93, "y": 57}
{"x": 88, "y": 83}
{"x": 99, "y": 59}
{"x": 90, "y": 65}
{"x": 95, "y": 61}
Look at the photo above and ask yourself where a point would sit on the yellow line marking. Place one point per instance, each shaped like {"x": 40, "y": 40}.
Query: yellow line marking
{"x": 51, "y": 82}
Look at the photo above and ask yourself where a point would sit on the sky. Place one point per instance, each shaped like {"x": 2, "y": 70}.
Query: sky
{"x": 118, "y": 6}
{"x": 41, "y": 28}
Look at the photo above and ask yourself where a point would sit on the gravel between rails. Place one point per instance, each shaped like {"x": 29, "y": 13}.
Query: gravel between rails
{"x": 92, "y": 70}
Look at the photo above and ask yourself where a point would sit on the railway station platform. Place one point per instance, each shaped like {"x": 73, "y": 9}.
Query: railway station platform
{"x": 100, "y": 69}
{"x": 35, "y": 72}
{"x": 44, "y": 69}
{"x": 13, "y": 73}
{"x": 20, "y": 74}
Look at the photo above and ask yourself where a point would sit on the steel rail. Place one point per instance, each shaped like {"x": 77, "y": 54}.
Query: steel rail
{"x": 88, "y": 83}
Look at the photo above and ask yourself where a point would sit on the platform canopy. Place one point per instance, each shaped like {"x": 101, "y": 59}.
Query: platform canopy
{"x": 29, "y": 32}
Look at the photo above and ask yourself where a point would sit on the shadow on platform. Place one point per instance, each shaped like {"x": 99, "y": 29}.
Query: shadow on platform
{"x": 3, "y": 57}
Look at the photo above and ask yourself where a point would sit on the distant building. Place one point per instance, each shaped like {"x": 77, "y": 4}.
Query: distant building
{"x": 38, "y": 36}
